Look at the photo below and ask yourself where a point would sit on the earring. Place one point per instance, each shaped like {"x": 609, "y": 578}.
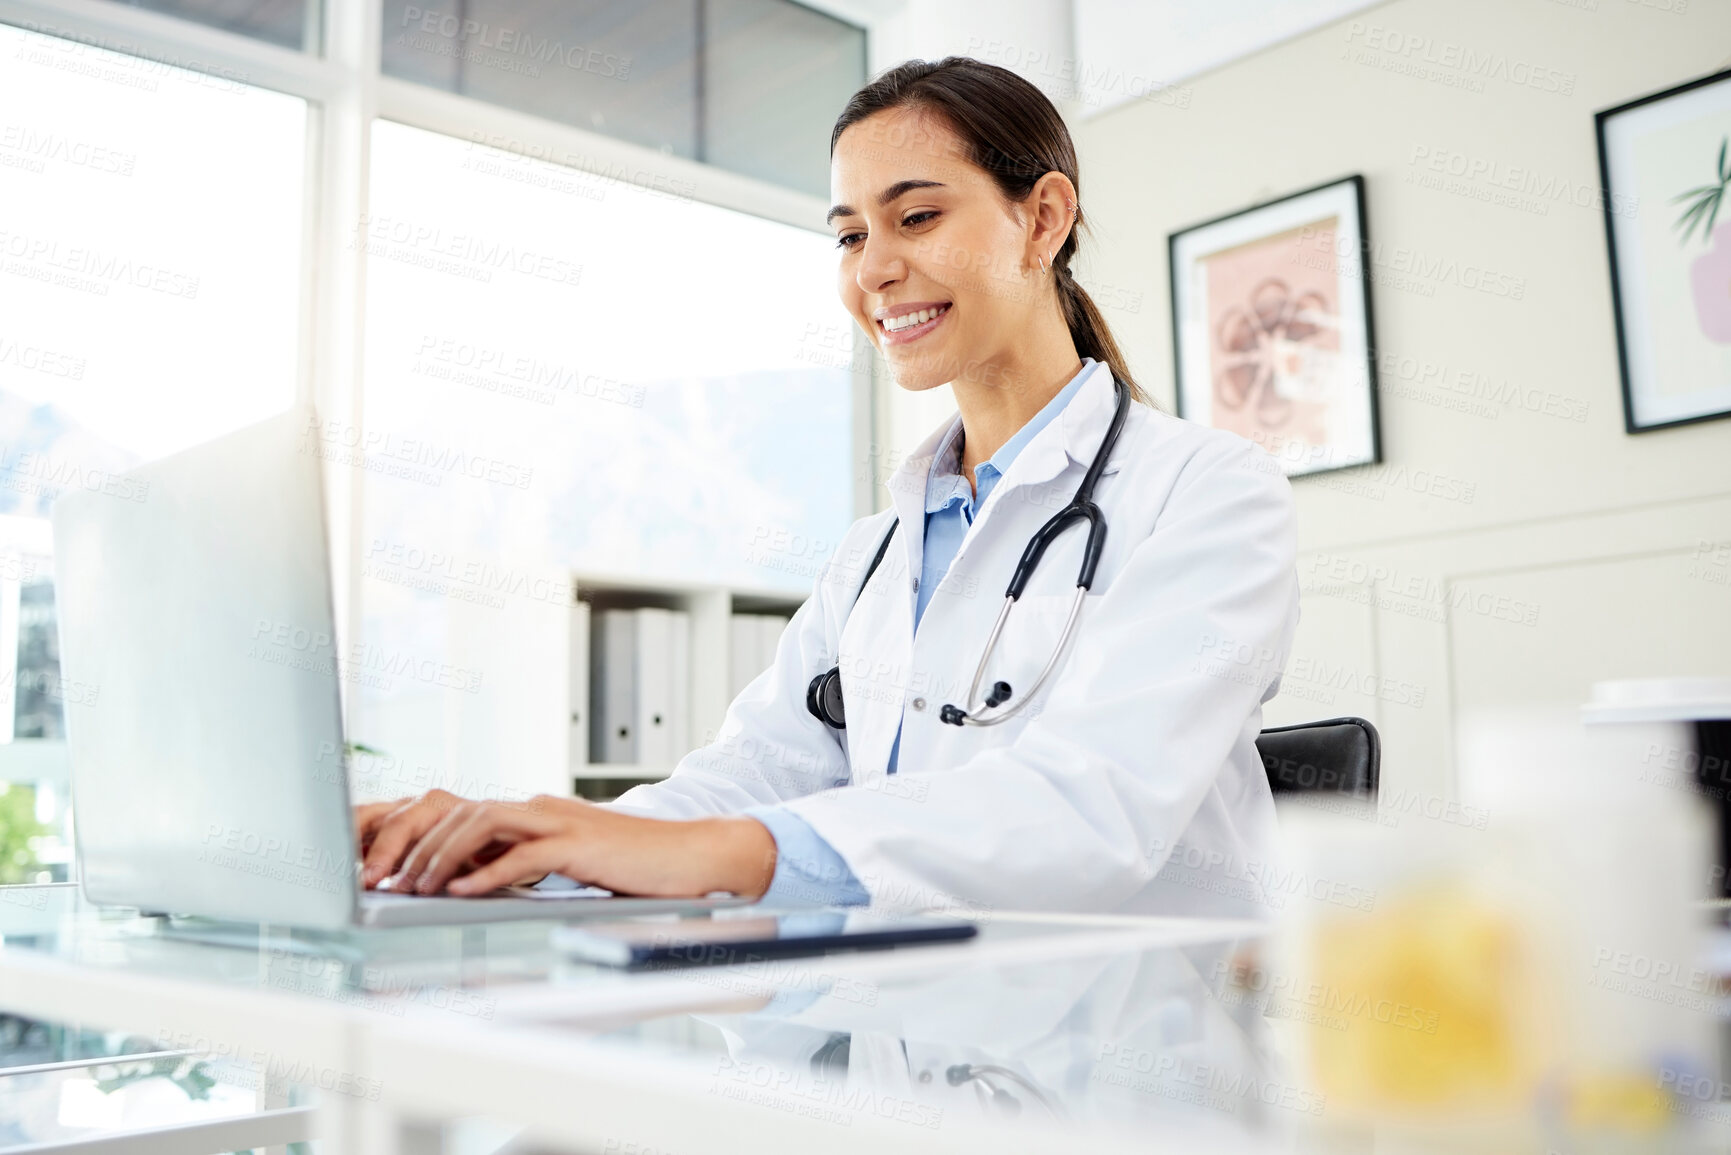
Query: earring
{"x": 1072, "y": 205}
{"x": 1042, "y": 261}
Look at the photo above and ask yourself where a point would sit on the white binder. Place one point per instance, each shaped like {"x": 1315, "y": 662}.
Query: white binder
{"x": 753, "y": 639}
{"x": 679, "y": 742}
{"x": 577, "y": 743}
{"x": 769, "y": 630}
{"x": 742, "y": 650}
{"x": 655, "y": 678}
{"x": 613, "y": 733}
{"x": 641, "y": 687}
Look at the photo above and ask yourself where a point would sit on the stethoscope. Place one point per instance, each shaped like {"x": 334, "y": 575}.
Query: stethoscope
{"x": 982, "y": 1074}
{"x": 830, "y": 1061}
{"x": 823, "y": 696}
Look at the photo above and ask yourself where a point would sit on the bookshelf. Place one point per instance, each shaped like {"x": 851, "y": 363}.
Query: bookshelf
{"x": 709, "y": 676}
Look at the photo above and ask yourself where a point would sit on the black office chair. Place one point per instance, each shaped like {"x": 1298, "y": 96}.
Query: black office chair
{"x": 1334, "y": 756}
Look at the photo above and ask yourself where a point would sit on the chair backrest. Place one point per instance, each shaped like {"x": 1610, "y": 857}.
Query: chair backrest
{"x": 1334, "y": 756}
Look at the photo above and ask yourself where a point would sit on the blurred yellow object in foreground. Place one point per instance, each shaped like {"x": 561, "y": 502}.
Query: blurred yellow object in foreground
{"x": 1428, "y": 1003}
{"x": 1627, "y": 1102}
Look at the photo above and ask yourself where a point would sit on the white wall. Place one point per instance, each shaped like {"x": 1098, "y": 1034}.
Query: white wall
{"x": 1589, "y": 531}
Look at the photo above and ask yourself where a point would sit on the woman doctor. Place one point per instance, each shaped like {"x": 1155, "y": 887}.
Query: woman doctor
{"x": 1126, "y": 780}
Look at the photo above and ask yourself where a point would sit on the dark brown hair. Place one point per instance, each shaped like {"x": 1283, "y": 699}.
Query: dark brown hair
{"x": 1012, "y": 131}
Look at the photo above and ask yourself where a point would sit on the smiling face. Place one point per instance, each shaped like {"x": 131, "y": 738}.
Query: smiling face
{"x": 936, "y": 266}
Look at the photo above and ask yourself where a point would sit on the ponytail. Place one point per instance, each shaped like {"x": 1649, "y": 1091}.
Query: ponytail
{"x": 1088, "y": 328}
{"x": 1013, "y": 132}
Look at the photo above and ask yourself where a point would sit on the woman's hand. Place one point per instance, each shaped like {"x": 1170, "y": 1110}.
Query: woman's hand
{"x": 440, "y": 841}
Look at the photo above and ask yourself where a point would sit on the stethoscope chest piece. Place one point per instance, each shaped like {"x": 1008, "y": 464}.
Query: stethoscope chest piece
{"x": 823, "y": 698}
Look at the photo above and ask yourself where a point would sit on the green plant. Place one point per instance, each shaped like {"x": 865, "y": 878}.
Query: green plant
{"x": 193, "y": 1078}
{"x": 18, "y": 827}
{"x": 1705, "y": 200}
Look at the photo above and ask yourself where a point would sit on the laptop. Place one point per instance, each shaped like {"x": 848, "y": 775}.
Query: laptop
{"x": 208, "y": 767}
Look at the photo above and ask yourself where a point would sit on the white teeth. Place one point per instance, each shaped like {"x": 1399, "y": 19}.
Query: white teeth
{"x": 908, "y": 320}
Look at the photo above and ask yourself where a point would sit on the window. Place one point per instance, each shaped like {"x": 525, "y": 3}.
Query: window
{"x": 569, "y": 373}
{"x": 775, "y": 77}
{"x": 748, "y": 85}
{"x": 628, "y": 364}
{"x": 290, "y": 23}
{"x": 627, "y": 70}
{"x": 151, "y": 244}
{"x": 150, "y": 288}
{"x": 584, "y": 366}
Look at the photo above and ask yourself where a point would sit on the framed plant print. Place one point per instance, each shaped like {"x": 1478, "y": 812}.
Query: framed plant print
{"x": 1665, "y": 164}
{"x": 1271, "y": 328}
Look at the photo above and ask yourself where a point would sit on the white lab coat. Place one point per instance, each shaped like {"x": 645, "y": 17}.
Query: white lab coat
{"x": 1132, "y": 783}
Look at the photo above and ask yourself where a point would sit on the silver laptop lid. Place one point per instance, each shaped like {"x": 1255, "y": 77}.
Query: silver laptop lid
{"x": 207, "y": 770}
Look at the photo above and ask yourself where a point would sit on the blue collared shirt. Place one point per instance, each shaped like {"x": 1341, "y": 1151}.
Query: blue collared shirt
{"x": 807, "y": 868}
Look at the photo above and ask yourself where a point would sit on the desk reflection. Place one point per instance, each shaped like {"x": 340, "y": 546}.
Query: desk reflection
{"x": 1122, "y": 1041}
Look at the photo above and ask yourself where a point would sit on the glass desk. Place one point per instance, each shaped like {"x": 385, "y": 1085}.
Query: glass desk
{"x": 1045, "y": 1033}
{"x": 279, "y": 1013}
{"x": 481, "y": 972}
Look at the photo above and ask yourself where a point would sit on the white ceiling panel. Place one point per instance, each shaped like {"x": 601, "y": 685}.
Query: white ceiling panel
{"x": 1131, "y": 49}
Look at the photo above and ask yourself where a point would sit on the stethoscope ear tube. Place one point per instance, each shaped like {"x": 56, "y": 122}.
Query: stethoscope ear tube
{"x": 823, "y": 697}
{"x": 1086, "y": 511}
{"x": 1095, "y": 547}
{"x": 1081, "y": 508}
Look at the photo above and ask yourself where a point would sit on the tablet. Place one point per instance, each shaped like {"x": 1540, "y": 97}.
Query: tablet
{"x": 750, "y": 938}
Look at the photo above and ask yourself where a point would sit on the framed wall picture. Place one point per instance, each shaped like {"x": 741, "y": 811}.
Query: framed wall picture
{"x": 1271, "y": 328}
{"x": 1668, "y": 156}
